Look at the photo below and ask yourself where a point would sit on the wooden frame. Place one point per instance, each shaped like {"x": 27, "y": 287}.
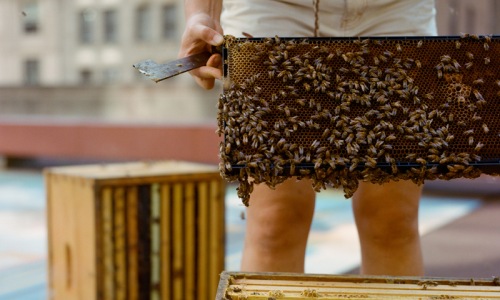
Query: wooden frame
{"x": 255, "y": 286}
{"x": 135, "y": 231}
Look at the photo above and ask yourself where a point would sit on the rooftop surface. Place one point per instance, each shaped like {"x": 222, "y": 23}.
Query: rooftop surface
{"x": 459, "y": 222}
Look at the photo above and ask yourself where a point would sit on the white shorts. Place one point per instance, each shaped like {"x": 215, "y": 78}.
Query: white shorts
{"x": 337, "y": 18}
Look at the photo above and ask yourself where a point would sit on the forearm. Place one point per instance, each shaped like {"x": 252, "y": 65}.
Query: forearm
{"x": 212, "y": 8}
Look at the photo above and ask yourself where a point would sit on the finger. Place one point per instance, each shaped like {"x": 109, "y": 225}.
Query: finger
{"x": 215, "y": 61}
{"x": 205, "y": 83}
{"x": 206, "y": 72}
{"x": 208, "y": 34}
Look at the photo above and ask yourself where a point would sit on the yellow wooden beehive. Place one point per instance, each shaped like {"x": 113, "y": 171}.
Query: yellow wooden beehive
{"x": 135, "y": 231}
{"x": 281, "y": 286}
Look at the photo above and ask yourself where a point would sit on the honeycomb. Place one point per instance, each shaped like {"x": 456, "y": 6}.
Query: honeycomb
{"x": 341, "y": 110}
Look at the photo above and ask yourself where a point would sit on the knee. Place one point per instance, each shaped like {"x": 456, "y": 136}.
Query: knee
{"x": 282, "y": 221}
{"x": 389, "y": 228}
{"x": 388, "y": 215}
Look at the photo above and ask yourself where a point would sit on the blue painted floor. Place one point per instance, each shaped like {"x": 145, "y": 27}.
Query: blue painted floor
{"x": 333, "y": 246}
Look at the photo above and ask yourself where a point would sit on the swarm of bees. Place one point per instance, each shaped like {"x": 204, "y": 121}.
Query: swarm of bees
{"x": 342, "y": 110}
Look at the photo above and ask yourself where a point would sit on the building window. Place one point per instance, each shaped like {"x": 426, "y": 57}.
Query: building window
{"x": 110, "y": 26}
{"x": 85, "y": 77}
{"x": 169, "y": 21}
{"x": 86, "y": 21}
{"x": 30, "y": 16}
{"x": 142, "y": 23}
{"x": 31, "y": 72}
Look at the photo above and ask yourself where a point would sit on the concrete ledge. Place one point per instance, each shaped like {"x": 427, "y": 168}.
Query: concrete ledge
{"x": 91, "y": 140}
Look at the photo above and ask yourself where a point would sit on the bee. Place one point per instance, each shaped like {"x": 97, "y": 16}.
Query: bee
{"x": 421, "y": 161}
{"x": 468, "y": 132}
{"x": 399, "y": 48}
{"x": 478, "y": 147}
{"x": 227, "y": 149}
{"x": 486, "y": 60}
{"x": 446, "y": 58}
{"x": 485, "y": 128}
{"x": 371, "y": 162}
{"x": 486, "y": 46}
{"x": 390, "y": 137}
{"x": 469, "y": 65}
{"x": 420, "y": 44}
{"x": 304, "y": 172}
{"x": 301, "y": 102}
{"x": 478, "y": 81}
{"x": 388, "y": 53}
{"x": 476, "y": 157}
{"x": 457, "y": 45}
{"x": 433, "y": 158}
{"x": 449, "y": 138}
{"x": 471, "y": 140}
{"x": 354, "y": 164}
{"x": 469, "y": 55}
{"x": 478, "y": 95}
{"x": 475, "y": 117}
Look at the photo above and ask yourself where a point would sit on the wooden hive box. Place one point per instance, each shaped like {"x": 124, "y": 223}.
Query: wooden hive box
{"x": 281, "y": 286}
{"x": 135, "y": 231}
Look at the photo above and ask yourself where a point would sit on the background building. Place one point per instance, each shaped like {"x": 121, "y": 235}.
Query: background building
{"x": 72, "y": 60}
{"x": 57, "y": 42}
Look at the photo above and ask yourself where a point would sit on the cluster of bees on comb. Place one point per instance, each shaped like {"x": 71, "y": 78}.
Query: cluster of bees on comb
{"x": 341, "y": 110}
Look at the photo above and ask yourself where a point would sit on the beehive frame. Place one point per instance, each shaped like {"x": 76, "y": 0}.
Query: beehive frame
{"x": 256, "y": 286}
{"x": 340, "y": 110}
{"x": 141, "y": 230}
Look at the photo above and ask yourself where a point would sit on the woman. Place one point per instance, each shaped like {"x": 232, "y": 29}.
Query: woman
{"x": 278, "y": 221}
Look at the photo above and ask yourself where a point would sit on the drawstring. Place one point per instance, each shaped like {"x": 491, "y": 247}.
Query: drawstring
{"x": 316, "y": 17}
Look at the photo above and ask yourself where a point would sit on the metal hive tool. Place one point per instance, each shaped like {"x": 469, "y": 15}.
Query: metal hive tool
{"x": 340, "y": 110}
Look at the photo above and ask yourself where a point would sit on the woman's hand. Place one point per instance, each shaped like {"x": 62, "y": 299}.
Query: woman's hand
{"x": 201, "y": 33}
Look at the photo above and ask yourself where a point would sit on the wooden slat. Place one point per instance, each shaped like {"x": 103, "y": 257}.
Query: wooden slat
{"x": 166, "y": 241}
{"x": 107, "y": 243}
{"x": 190, "y": 241}
{"x": 203, "y": 240}
{"x": 217, "y": 242}
{"x": 418, "y": 285}
{"x": 144, "y": 244}
{"x": 119, "y": 236}
{"x": 62, "y": 276}
{"x": 132, "y": 244}
{"x": 155, "y": 242}
{"x": 85, "y": 235}
{"x": 178, "y": 242}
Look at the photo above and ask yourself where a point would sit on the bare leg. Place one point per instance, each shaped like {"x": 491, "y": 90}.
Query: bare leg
{"x": 387, "y": 220}
{"x": 278, "y": 224}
